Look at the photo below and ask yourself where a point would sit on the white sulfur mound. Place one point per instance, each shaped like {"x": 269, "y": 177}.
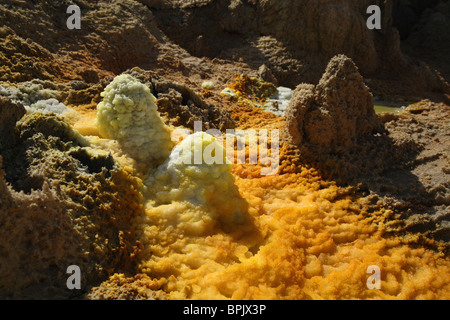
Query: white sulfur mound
{"x": 128, "y": 114}
{"x": 203, "y": 180}
{"x": 278, "y": 103}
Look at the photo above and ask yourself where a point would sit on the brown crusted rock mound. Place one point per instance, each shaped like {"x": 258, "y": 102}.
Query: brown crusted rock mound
{"x": 114, "y": 36}
{"x": 336, "y": 113}
{"x": 401, "y": 163}
{"x": 61, "y": 204}
{"x": 22, "y": 60}
{"x": 181, "y": 105}
{"x": 335, "y": 126}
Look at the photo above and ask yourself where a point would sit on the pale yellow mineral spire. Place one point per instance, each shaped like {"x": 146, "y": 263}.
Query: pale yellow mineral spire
{"x": 128, "y": 114}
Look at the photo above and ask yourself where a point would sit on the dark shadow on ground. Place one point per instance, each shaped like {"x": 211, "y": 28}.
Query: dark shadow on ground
{"x": 380, "y": 170}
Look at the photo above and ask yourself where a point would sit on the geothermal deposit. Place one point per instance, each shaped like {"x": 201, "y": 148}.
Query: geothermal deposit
{"x": 224, "y": 149}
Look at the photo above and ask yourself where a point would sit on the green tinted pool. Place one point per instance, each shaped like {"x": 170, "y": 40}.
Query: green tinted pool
{"x": 384, "y": 108}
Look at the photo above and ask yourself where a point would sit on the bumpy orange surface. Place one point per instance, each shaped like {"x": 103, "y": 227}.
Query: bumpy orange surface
{"x": 301, "y": 238}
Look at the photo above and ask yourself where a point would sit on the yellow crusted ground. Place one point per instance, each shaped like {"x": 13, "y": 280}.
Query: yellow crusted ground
{"x": 301, "y": 238}
{"x": 303, "y": 241}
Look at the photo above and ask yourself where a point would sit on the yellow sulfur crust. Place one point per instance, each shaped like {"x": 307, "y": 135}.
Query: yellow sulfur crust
{"x": 301, "y": 241}
{"x": 208, "y": 232}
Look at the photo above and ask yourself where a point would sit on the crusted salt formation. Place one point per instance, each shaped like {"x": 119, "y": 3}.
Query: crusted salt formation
{"x": 42, "y": 96}
{"x": 55, "y": 52}
{"x": 61, "y": 203}
{"x": 335, "y": 114}
{"x": 23, "y": 60}
{"x": 198, "y": 172}
{"x": 306, "y": 239}
{"x": 128, "y": 114}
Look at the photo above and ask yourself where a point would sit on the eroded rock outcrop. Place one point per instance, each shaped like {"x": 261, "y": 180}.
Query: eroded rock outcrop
{"x": 181, "y": 105}
{"x": 61, "y": 203}
{"x": 295, "y": 39}
{"x": 335, "y": 126}
{"x": 388, "y": 158}
{"x": 334, "y": 115}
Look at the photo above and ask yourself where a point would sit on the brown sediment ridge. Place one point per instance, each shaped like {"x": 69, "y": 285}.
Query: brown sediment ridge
{"x": 296, "y": 39}
{"x": 353, "y": 189}
{"x": 179, "y": 38}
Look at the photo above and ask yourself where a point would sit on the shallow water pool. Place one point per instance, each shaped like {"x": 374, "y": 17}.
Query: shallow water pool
{"x": 379, "y": 108}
